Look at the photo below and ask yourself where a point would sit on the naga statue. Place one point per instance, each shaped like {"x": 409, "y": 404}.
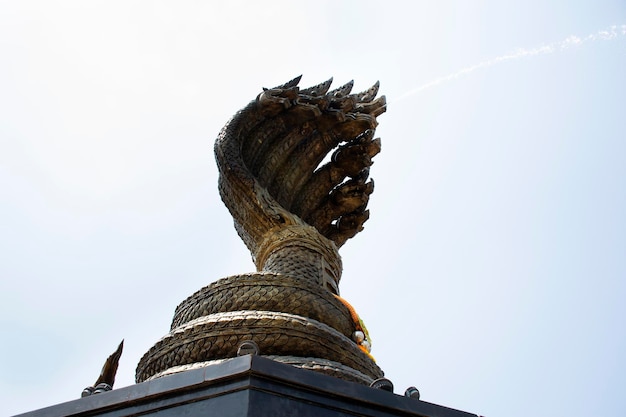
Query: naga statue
{"x": 294, "y": 167}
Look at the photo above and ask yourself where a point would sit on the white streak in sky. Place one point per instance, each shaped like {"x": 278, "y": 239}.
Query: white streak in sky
{"x": 612, "y": 32}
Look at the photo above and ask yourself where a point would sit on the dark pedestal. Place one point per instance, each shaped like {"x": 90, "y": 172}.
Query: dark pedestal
{"x": 248, "y": 386}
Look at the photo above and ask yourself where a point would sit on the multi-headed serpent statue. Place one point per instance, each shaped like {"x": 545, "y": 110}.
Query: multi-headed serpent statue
{"x": 293, "y": 215}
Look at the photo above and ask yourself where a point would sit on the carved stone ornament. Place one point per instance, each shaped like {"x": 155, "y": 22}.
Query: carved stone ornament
{"x": 294, "y": 167}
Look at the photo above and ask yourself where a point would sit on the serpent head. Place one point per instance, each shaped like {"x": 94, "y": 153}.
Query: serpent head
{"x": 294, "y": 167}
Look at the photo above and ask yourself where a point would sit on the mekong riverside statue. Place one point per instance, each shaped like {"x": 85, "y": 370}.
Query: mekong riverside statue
{"x": 293, "y": 215}
{"x": 241, "y": 340}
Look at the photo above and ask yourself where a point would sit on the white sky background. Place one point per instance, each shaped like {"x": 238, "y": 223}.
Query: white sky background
{"x": 491, "y": 273}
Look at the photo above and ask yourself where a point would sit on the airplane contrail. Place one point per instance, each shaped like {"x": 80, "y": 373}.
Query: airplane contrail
{"x": 610, "y": 33}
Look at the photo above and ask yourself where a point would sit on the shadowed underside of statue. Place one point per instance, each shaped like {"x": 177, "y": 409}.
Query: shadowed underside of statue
{"x": 294, "y": 167}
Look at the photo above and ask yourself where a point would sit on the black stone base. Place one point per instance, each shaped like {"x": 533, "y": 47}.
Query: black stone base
{"x": 249, "y": 386}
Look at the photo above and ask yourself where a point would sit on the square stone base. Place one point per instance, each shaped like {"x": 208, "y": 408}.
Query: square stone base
{"x": 250, "y": 386}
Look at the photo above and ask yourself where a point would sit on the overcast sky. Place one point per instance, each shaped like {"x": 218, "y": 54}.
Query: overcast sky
{"x": 492, "y": 271}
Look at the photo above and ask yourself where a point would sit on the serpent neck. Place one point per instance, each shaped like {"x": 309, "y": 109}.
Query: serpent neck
{"x": 301, "y": 252}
